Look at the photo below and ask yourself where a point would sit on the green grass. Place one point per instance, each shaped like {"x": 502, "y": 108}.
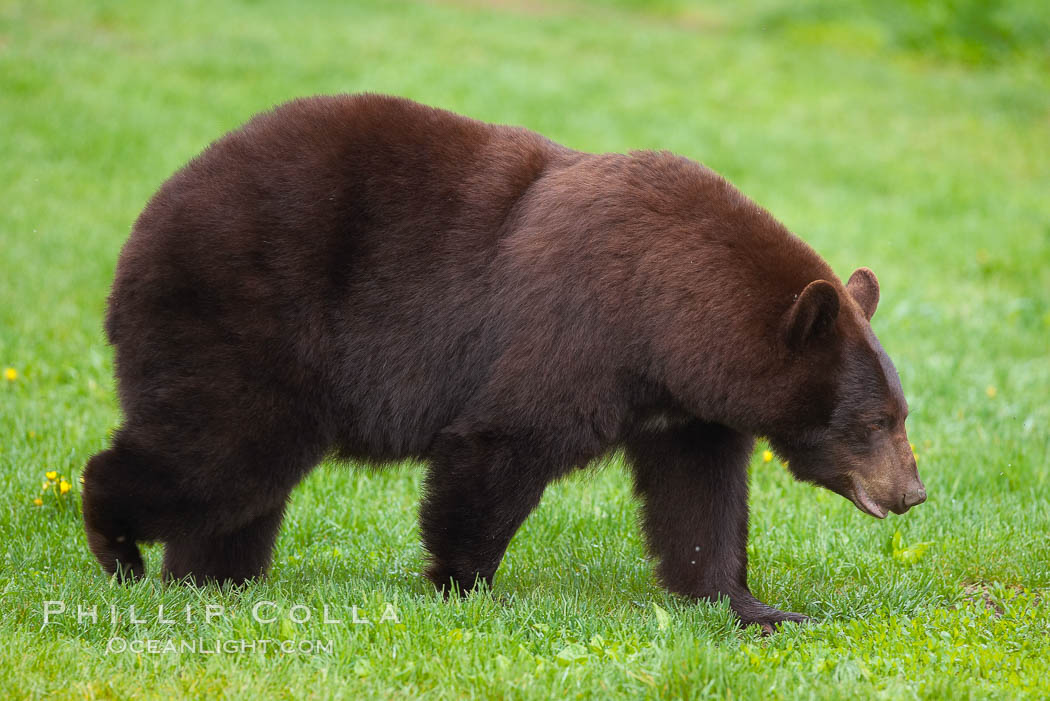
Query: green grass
{"x": 906, "y": 139}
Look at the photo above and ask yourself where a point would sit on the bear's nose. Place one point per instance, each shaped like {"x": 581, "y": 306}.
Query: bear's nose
{"x": 914, "y": 496}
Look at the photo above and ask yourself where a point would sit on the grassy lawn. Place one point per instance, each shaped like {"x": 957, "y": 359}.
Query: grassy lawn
{"x": 911, "y": 141}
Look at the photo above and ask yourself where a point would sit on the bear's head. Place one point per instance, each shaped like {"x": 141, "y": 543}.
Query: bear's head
{"x": 845, "y": 423}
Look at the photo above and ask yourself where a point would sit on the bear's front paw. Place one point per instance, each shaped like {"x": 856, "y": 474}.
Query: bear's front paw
{"x": 456, "y": 581}
{"x": 751, "y": 611}
{"x": 769, "y": 623}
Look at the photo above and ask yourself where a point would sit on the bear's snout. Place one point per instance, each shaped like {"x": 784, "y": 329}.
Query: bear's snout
{"x": 866, "y": 496}
{"x": 913, "y": 497}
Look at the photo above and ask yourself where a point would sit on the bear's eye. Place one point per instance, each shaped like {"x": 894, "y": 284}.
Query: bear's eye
{"x": 878, "y": 425}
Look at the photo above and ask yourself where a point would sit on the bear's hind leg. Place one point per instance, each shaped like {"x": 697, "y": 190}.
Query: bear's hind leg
{"x": 693, "y": 483}
{"x": 215, "y": 503}
{"x": 115, "y": 503}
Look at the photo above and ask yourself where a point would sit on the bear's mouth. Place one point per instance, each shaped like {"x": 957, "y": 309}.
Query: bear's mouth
{"x": 864, "y": 502}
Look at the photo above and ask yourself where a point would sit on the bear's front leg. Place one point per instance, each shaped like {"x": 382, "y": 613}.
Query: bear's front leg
{"x": 480, "y": 487}
{"x": 693, "y": 483}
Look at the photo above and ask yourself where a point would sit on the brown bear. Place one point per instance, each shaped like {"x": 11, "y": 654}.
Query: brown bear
{"x": 367, "y": 277}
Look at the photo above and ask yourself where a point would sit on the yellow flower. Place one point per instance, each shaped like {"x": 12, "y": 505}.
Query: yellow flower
{"x": 52, "y": 475}
{"x": 10, "y": 374}
{"x": 38, "y": 501}
{"x": 63, "y": 487}
{"x": 767, "y": 456}
{"x": 991, "y": 392}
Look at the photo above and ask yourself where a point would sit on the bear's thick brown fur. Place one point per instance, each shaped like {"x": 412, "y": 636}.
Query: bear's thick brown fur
{"x": 372, "y": 277}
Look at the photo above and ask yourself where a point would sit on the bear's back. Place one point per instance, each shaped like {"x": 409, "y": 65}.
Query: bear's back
{"x": 337, "y": 246}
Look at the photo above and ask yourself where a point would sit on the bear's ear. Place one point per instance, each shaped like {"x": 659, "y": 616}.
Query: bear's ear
{"x": 863, "y": 286}
{"x": 813, "y": 313}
